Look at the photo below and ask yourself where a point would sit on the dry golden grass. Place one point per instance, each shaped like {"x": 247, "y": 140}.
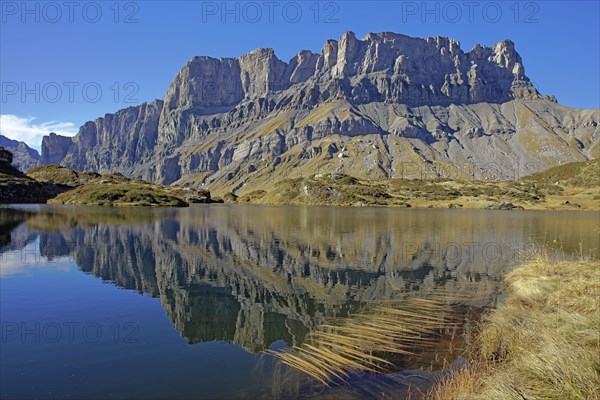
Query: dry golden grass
{"x": 543, "y": 343}
{"x": 364, "y": 341}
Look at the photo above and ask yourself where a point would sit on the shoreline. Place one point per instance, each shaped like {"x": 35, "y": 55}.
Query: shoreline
{"x": 567, "y": 187}
{"x": 366, "y": 206}
{"x": 428, "y": 206}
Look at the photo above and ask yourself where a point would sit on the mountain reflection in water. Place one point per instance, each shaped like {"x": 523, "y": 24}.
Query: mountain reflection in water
{"x": 256, "y": 275}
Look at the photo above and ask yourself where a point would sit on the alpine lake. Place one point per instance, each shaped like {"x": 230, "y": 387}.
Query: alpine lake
{"x": 185, "y": 303}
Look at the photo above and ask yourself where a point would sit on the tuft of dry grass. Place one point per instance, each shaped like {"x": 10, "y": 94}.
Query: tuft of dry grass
{"x": 543, "y": 343}
{"x": 363, "y": 342}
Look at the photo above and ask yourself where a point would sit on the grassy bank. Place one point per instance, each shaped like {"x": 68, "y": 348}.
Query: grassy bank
{"x": 542, "y": 343}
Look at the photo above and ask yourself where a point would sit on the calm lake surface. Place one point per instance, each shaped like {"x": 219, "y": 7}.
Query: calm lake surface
{"x": 181, "y": 303}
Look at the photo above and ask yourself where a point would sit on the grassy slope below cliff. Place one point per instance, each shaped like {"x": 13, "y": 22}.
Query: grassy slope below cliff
{"x": 580, "y": 184}
{"x": 570, "y": 186}
{"x": 580, "y": 174}
{"x": 542, "y": 343}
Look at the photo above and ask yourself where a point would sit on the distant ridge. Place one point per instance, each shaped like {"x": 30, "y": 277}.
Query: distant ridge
{"x": 24, "y": 157}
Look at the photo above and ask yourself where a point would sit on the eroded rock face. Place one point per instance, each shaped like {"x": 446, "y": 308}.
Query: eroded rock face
{"x": 221, "y": 116}
{"x": 115, "y": 142}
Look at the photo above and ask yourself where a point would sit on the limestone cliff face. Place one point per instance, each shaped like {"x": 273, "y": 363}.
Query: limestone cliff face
{"x": 115, "y": 142}
{"x": 238, "y": 123}
{"x": 55, "y": 148}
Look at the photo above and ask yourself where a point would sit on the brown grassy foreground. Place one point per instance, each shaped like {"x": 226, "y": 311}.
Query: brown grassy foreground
{"x": 543, "y": 343}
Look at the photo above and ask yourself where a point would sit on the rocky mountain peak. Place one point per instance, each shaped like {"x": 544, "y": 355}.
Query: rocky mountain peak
{"x": 359, "y": 106}
{"x": 209, "y": 83}
{"x": 505, "y": 55}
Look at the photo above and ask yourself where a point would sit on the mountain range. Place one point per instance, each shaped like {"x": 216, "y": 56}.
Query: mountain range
{"x": 384, "y": 106}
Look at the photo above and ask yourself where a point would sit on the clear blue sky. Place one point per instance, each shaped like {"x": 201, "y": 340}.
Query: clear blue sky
{"x": 145, "y": 43}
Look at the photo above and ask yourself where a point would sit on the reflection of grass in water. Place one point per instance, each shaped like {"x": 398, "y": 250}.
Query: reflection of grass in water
{"x": 365, "y": 341}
